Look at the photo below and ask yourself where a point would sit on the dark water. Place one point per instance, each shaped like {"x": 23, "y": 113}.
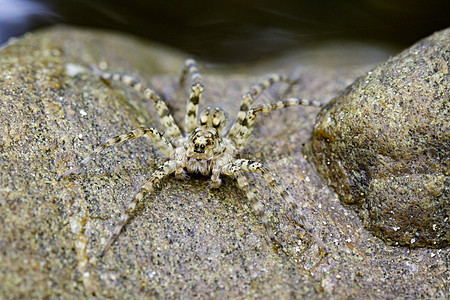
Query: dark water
{"x": 237, "y": 30}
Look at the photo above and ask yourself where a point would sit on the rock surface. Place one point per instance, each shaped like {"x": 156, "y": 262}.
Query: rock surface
{"x": 384, "y": 145}
{"x": 185, "y": 239}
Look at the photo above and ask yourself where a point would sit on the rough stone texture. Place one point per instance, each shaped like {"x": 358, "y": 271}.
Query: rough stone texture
{"x": 384, "y": 145}
{"x": 184, "y": 240}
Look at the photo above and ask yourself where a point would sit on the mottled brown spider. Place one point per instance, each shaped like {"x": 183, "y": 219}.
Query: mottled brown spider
{"x": 206, "y": 147}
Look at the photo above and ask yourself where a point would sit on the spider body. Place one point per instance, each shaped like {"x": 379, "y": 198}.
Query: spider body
{"x": 207, "y": 147}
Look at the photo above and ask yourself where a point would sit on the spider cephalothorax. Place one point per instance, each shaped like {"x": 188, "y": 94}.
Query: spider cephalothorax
{"x": 204, "y": 143}
{"x": 201, "y": 151}
{"x": 207, "y": 146}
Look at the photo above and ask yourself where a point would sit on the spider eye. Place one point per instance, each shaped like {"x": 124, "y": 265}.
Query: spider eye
{"x": 196, "y": 146}
{"x": 202, "y": 146}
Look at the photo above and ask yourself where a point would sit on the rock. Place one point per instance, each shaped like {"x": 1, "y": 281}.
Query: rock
{"x": 185, "y": 240}
{"x": 384, "y": 145}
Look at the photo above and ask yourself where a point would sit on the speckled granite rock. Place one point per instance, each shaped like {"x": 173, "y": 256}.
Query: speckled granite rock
{"x": 185, "y": 240}
{"x": 384, "y": 145}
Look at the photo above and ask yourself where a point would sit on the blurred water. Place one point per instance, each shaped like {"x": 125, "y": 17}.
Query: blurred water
{"x": 17, "y": 16}
{"x": 230, "y": 30}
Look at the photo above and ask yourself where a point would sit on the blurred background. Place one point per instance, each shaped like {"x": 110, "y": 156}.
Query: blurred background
{"x": 237, "y": 30}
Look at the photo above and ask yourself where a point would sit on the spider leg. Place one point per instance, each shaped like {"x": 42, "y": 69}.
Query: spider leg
{"x": 158, "y": 139}
{"x": 247, "y": 100}
{"x": 246, "y": 129}
{"x": 254, "y": 166}
{"x": 165, "y": 117}
{"x": 160, "y": 173}
{"x": 190, "y": 67}
{"x": 235, "y": 171}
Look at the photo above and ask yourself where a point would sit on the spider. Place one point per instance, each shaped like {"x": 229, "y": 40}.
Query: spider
{"x": 207, "y": 147}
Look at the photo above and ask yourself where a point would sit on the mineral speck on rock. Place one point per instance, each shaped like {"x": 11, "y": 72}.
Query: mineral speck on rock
{"x": 384, "y": 145}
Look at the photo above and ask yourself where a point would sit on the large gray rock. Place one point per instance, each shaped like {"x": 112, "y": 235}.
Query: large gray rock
{"x": 185, "y": 239}
{"x": 384, "y": 145}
